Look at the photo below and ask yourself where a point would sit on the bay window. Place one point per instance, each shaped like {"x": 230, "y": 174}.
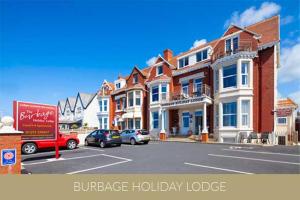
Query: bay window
{"x": 217, "y": 80}
{"x": 137, "y": 123}
{"x": 229, "y": 114}
{"x": 100, "y": 105}
{"x": 105, "y": 105}
{"x": 123, "y": 102}
{"x": 130, "y": 99}
{"x": 229, "y": 76}
{"x": 164, "y": 92}
{"x": 118, "y": 103}
{"x": 155, "y": 94}
{"x": 245, "y": 73}
{"x": 137, "y": 98}
{"x": 245, "y": 113}
{"x": 155, "y": 120}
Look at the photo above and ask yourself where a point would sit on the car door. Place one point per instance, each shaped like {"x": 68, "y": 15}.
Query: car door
{"x": 123, "y": 136}
{"x": 91, "y": 138}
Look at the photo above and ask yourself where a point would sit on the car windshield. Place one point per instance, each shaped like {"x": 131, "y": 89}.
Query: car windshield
{"x": 143, "y": 132}
{"x": 114, "y": 132}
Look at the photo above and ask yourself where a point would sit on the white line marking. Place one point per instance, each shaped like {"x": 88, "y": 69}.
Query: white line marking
{"x": 261, "y": 152}
{"x": 256, "y": 159}
{"x": 217, "y": 168}
{"x": 121, "y": 158}
{"x": 94, "y": 149}
{"x": 99, "y": 167}
{"x": 50, "y": 153}
{"x": 64, "y": 159}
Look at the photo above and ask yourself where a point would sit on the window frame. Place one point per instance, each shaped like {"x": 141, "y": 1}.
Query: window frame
{"x": 135, "y": 78}
{"x": 247, "y": 114}
{"x": 230, "y": 114}
{"x": 136, "y": 97}
{"x": 232, "y": 50}
{"x": 158, "y": 72}
{"x": 129, "y": 102}
{"x": 155, "y": 122}
{"x": 163, "y": 95}
{"x": 183, "y": 116}
{"x": 152, "y": 94}
{"x": 185, "y": 85}
{"x": 230, "y": 76}
{"x": 185, "y": 62}
{"x": 245, "y": 74}
{"x": 279, "y": 123}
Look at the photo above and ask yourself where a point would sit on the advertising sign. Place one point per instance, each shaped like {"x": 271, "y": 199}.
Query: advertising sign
{"x": 8, "y": 157}
{"x": 37, "y": 121}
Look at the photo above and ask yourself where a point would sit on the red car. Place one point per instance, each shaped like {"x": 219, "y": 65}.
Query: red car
{"x": 68, "y": 141}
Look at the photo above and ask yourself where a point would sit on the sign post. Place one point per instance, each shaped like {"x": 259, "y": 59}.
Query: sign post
{"x": 39, "y": 122}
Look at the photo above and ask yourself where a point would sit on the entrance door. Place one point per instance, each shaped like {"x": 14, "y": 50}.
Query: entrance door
{"x": 198, "y": 122}
{"x": 185, "y": 123}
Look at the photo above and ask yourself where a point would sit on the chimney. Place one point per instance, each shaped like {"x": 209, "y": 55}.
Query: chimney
{"x": 168, "y": 54}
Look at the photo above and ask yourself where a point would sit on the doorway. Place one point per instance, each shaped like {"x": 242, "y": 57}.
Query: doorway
{"x": 198, "y": 122}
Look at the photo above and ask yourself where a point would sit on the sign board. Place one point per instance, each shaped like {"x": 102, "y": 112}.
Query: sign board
{"x": 8, "y": 157}
{"x": 37, "y": 121}
{"x": 284, "y": 112}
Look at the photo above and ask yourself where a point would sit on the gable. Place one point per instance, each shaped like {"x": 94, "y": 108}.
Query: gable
{"x": 232, "y": 29}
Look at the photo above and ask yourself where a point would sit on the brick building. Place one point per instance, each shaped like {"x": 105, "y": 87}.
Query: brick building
{"x": 226, "y": 87}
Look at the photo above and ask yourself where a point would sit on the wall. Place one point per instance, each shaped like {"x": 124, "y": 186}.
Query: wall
{"x": 90, "y": 113}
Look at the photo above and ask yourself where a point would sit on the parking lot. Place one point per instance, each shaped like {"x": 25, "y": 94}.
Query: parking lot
{"x": 168, "y": 157}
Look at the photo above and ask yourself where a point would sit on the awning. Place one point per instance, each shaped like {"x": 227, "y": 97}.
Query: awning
{"x": 132, "y": 115}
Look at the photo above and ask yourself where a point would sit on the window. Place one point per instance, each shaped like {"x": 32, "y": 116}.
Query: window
{"x": 164, "y": 92}
{"x": 229, "y": 114}
{"x": 155, "y": 94}
{"x": 155, "y": 120}
{"x": 201, "y": 55}
{"x": 198, "y": 86}
{"x": 123, "y": 102}
{"x": 245, "y": 72}
{"x": 118, "y": 85}
{"x": 159, "y": 70}
{"x": 137, "y": 123}
{"x": 229, "y": 76}
{"x": 130, "y": 123}
{"x": 135, "y": 78}
{"x": 232, "y": 45}
{"x": 217, "y": 80}
{"x": 185, "y": 88}
{"x": 118, "y": 103}
{"x": 185, "y": 119}
{"x": 130, "y": 99}
{"x": 281, "y": 120}
{"x": 105, "y": 105}
{"x": 183, "y": 62}
{"x": 105, "y": 123}
{"x": 137, "y": 98}
{"x": 245, "y": 113}
{"x": 217, "y": 116}
{"x": 100, "y": 123}
{"x": 100, "y": 104}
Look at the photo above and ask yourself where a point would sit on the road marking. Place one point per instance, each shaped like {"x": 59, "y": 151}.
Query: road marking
{"x": 261, "y": 152}
{"x": 50, "y": 153}
{"x": 94, "y": 149}
{"x": 121, "y": 158}
{"x": 61, "y": 159}
{"x": 99, "y": 167}
{"x": 217, "y": 168}
{"x": 256, "y": 159}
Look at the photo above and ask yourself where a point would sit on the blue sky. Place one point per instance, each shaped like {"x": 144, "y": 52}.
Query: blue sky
{"x": 50, "y": 50}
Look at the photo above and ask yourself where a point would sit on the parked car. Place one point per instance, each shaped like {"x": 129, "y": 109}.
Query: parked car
{"x": 103, "y": 138}
{"x": 63, "y": 140}
{"x": 135, "y": 136}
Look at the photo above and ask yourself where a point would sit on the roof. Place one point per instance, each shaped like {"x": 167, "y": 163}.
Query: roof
{"x": 62, "y": 104}
{"x": 160, "y": 78}
{"x": 86, "y": 98}
{"x": 136, "y": 86}
{"x": 286, "y": 103}
{"x": 72, "y": 101}
{"x": 268, "y": 29}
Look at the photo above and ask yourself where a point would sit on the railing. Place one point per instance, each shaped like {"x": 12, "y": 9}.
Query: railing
{"x": 202, "y": 91}
{"x": 244, "y": 45}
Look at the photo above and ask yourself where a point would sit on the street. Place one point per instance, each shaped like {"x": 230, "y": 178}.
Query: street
{"x": 168, "y": 157}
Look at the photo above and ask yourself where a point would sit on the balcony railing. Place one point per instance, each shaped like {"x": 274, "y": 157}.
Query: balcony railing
{"x": 244, "y": 45}
{"x": 194, "y": 96}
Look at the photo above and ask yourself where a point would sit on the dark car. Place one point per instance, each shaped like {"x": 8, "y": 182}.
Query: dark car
{"x": 103, "y": 138}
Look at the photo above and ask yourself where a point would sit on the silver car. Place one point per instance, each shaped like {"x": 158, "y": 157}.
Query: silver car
{"x": 135, "y": 136}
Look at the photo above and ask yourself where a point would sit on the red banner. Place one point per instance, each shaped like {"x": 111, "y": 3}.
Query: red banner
{"x": 37, "y": 121}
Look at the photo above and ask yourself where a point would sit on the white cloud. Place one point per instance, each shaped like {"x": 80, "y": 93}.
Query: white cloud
{"x": 295, "y": 96}
{"x": 198, "y": 43}
{"x": 151, "y": 61}
{"x": 286, "y": 20}
{"x": 253, "y": 14}
{"x": 290, "y": 64}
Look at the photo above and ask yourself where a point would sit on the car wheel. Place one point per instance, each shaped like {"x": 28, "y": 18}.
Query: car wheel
{"x": 29, "y": 148}
{"x": 132, "y": 141}
{"x": 102, "y": 144}
{"x": 71, "y": 144}
{"x": 146, "y": 142}
{"x": 86, "y": 143}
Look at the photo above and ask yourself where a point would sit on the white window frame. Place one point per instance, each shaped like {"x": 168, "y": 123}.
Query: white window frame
{"x": 236, "y": 75}
{"x": 156, "y": 86}
{"x": 157, "y": 70}
{"x": 184, "y": 59}
{"x": 135, "y": 78}
{"x": 128, "y": 99}
{"x": 246, "y": 73}
{"x": 231, "y": 43}
{"x": 281, "y": 123}
{"x": 247, "y": 114}
{"x": 152, "y": 116}
{"x": 163, "y": 94}
{"x": 186, "y": 82}
{"x": 136, "y": 97}
{"x": 195, "y": 84}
